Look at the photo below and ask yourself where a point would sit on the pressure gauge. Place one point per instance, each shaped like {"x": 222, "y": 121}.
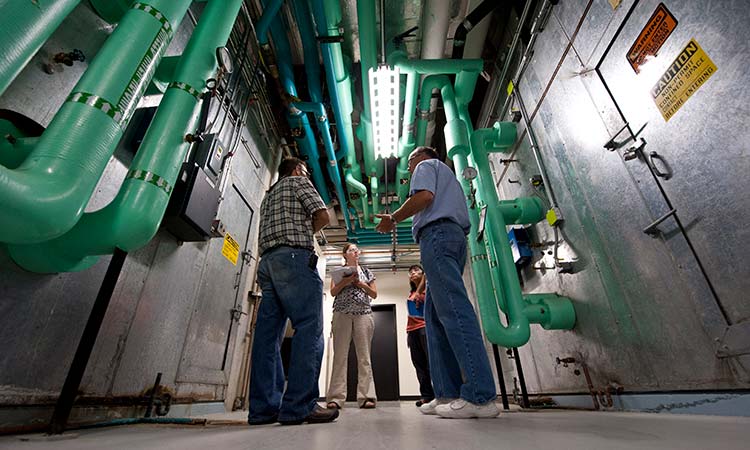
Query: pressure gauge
{"x": 469, "y": 173}
{"x": 224, "y": 59}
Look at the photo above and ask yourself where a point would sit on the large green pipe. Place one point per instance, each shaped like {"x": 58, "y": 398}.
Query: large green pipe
{"x": 368, "y": 52}
{"x": 327, "y": 18}
{"x": 47, "y": 194}
{"x": 133, "y": 217}
{"x": 457, "y": 144}
{"x": 463, "y": 68}
{"x": 24, "y": 27}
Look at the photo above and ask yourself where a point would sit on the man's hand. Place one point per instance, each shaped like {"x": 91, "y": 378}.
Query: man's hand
{"x": 386, "y": 224}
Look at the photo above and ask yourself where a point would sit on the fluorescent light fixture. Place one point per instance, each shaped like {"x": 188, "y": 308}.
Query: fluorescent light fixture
{"x": 384, "y": 103}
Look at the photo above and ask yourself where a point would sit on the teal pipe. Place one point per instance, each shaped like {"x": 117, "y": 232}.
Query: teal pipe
{"x": 271, "y": 21}
{"x": 357, "y": 186}
{"x": 407, "y": 142}
{"x": 327, "y": 15}
{"x": 368, "y": 52}
{"x": 310, "y": 48}
{"x": 46, "y": 195}
{"x": 375, "y": 191}
{"x": 24, "y": 27}
{"x": 15, "y": 147}
{"x": 111, "y": 10}
{"x": 325, "y": 131}
{"x": 518, "y": 331}
{"x": 551, "y": 311}
{"x": 133, "y": 217}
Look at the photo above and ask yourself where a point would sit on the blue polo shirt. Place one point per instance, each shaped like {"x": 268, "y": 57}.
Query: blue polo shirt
{"x": 449, "y": 201}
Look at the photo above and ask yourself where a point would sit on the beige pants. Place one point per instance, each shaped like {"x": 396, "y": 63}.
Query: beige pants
{"x": 346, "y": 327}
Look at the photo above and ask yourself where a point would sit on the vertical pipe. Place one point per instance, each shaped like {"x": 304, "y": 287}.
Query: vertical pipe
{"x": 24, "y": 27}
{"x": 500, "y": 377}
{"x": 435, "y": 22}
{"x": 521, "y": 379}
{"x": 68, "y": 394}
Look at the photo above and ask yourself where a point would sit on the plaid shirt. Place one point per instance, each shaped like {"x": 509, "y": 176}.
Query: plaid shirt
{"x": 286, "y": 214}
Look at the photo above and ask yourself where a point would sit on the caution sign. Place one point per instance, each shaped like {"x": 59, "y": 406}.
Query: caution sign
{"x": 656, "y": 31}
{"x": 230, "y": 249}
{"x": 685, "y": 75}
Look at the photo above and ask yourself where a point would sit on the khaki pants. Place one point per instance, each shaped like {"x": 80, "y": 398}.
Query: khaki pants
{"x": 346, "y": 327}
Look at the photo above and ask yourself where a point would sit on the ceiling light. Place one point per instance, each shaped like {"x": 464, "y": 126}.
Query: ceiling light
{"x": 384, "y": 103}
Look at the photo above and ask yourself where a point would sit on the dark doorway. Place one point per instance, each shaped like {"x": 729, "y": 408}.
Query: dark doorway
{"x": 384, "y": 357}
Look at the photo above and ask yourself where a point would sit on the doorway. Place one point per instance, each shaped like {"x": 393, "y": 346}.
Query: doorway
{"x": 384, "y": 357}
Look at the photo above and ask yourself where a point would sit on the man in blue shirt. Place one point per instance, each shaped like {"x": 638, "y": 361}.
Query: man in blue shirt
{"x": 461, "y": 375}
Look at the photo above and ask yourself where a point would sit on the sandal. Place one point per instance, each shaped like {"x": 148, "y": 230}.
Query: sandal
{"x": 368, "y": 404}
{"x": 333, "y": 405}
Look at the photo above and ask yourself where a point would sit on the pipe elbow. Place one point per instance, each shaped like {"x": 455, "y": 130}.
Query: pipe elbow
{"x": 38, "y": 208}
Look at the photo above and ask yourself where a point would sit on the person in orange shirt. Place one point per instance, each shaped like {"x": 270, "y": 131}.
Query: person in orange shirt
{"x": 416, "y": 337}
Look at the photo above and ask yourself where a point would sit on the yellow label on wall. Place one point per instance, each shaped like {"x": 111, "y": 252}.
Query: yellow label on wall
{"x": 230, "y": 249}
{"x": 685, "y": 75}
{"x": 510, "y": 87}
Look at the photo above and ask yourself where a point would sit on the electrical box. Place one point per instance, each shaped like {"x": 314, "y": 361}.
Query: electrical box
{"x": 193, "y": 205}
{"x": 519, "y": 245}
{"x": 209, "y": 155}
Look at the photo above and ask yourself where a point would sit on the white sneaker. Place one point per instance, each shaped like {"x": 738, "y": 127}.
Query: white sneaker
{"x": 429, "y": 408}
{"x": 461, "y": 409}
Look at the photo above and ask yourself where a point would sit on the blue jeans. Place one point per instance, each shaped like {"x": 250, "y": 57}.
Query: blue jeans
{"x": 291, "y": 289}
{"x": 458, "y": 360}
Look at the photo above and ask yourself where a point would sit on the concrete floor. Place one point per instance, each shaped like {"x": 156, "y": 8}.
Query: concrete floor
{"x": 400, "y": 426}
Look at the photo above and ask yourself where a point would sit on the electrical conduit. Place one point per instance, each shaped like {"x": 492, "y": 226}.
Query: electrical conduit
{"x": 133, "y": 217}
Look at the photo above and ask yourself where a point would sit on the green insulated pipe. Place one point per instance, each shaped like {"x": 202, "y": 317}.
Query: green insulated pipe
{"x": 133, "y": 217}
{"x": 413, "y": 68}
{"x": 559, "y": 310}
{"x": 24, "y": 27}
{"x": 457, "y": 143}
{"x": 368, "y": 52}
{"x": 47, "y": 194}
{"x": 327, "y": 18}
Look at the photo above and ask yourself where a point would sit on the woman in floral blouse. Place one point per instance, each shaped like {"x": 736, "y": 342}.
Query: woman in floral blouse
{"x": 352, "y": 320}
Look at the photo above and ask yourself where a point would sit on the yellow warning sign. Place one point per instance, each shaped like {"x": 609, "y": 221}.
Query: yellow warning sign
{"x": 685, "y": 75}
{"x": 230, "y": 249}
{"x": 510, "y": 87}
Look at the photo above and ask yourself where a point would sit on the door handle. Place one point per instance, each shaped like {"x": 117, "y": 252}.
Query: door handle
{"x": 666, "y": 173}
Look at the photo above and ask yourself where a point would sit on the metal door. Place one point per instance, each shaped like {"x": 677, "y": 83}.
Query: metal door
{"x": 692, "y": 168}
{"x": 209, "y": 343}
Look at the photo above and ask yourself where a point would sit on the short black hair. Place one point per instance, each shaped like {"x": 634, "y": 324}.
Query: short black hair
{"x": 288, "y": 165}
{"x": 429, "y": 151}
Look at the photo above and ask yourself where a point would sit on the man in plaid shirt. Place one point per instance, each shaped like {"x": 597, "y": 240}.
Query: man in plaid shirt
{"x": 292, "y": 289}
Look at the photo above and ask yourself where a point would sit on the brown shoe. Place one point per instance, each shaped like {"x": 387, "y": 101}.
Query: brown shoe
{"x": 318, "y": 415}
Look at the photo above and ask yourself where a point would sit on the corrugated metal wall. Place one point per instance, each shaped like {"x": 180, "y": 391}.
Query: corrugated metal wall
{"x": 171, "y": 310}
{"x": 647, "y": 317}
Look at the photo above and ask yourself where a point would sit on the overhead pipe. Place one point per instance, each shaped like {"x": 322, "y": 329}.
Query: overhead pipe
{"x": 280, "y": 66}
{"x": 24, "y": 28}
{"x": 368, "y": 53}
{"x": 45, "y": 197}
{"x": 133, "y": 217}
{"x": 474, "y": 42}
{"x": 472, "y": 19}
{"x": 312, "y": 70}
{"x": 327, "y": 15}
{"x": 325, "y": 131}
{"x": 436, "y": 16}
{"x": 413, "y": 69}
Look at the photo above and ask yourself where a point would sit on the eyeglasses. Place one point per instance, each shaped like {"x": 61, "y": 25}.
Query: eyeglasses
{"x": 353, "y": 250}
